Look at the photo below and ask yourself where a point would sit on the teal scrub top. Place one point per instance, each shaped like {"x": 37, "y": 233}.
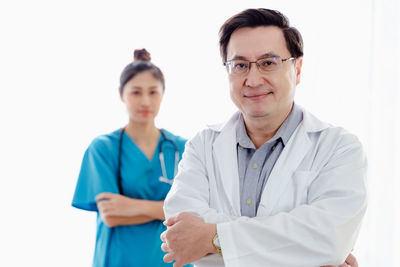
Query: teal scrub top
{"x": 132, "y": 245}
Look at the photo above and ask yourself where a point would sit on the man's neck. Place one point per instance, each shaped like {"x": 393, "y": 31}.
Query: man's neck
{"x": 262, "y": 129}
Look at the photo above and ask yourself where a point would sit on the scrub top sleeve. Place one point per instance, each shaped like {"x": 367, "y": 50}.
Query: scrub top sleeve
{"x": 98, "y": 174}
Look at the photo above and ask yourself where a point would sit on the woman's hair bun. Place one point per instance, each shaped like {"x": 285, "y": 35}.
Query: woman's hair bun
{"x": 141, "y": 54}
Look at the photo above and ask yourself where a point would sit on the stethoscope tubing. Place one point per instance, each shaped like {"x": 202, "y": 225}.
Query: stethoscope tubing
{"x": 164, "y": 177}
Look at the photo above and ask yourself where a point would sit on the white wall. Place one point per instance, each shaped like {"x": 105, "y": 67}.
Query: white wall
{"x": 60, "y": 63}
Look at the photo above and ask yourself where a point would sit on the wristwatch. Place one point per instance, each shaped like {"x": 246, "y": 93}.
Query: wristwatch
{"x": 217, "y": 244}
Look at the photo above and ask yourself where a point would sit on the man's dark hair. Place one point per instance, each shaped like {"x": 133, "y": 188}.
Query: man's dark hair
{"x": 261, "y": 17}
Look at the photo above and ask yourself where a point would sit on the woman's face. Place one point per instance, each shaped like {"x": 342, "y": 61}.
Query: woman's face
{"x": 142, "y": 95}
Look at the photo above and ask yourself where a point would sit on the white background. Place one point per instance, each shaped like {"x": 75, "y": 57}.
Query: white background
{"x": 60, "y": 63}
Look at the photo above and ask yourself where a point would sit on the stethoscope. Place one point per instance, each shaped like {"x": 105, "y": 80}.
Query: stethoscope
{"x": 164, "y": 177}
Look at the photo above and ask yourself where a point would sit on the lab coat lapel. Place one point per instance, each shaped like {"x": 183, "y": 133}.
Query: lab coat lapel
{"x": 226, "y": 157}
{"x": 289, "y": 160}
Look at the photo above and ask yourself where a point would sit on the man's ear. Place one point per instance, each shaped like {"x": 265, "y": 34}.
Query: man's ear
{"x": 298, "y": 65}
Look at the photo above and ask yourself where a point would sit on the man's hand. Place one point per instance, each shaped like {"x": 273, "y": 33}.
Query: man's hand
{"x": 350, "y": 261}
{"x": 187, "y": 239}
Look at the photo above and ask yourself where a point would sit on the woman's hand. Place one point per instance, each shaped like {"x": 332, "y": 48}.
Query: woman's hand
{"x": 116, "y": 210}
{"x": 110, "y": 204}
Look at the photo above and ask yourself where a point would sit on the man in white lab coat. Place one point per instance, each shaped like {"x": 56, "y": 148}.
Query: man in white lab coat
{"x": 273, "y": 186}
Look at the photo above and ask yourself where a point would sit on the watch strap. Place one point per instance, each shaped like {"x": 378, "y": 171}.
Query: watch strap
{"x": 217, "y": 244}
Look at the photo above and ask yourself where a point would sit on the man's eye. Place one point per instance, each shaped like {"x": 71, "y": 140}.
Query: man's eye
{"x": 268, "y": 63}
{"x": 135, "y": 92}
{"x": 240, "y": 65}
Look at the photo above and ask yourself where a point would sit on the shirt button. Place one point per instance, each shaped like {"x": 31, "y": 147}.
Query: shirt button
{"x": 249, "y": 201}
{"x": 255, "y": 166}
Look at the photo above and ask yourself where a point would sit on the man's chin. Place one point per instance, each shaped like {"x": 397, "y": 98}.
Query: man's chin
{"x": 257, "y": 114}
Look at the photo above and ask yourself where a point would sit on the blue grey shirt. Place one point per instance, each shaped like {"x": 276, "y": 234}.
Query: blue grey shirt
{"x": 255, "y": 165}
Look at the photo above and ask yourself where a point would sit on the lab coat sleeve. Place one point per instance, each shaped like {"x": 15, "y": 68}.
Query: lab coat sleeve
{"x": 320, "y": 232}
{"x": 190, "y": 190}
{"x": 98, "y": 174}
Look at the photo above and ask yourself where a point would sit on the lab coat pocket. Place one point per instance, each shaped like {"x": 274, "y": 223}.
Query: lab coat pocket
{"x": 295, "y": 193}
{"x": 301, "y": 183}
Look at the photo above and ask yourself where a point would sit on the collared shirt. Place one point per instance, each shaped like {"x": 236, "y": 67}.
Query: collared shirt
{"x": 255, "y": 165}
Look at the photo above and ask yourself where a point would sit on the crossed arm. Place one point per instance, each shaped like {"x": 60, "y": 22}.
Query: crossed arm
{"x": 117, "y": 210}
{"x": 188, "y": 239}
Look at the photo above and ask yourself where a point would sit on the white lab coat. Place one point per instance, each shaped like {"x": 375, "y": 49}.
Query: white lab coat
{"x": 311, "y": 207}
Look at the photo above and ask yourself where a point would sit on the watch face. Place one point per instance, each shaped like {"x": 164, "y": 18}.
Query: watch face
{"x": 216, "y": 241}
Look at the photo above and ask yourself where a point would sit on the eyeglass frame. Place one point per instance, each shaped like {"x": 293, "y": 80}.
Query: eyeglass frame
{"x": 228, "y": 62}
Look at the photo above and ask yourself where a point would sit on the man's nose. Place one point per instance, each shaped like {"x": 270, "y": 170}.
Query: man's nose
{"x": 254, "y": 77}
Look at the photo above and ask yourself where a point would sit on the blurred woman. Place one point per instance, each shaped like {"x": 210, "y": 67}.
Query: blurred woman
{"x": 125, "y": 175}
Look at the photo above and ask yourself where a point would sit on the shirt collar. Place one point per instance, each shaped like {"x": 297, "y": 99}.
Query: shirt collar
{"x": 241, "y": 135}
{"x": 290, "y": 124}
{"x": 284, "y": 132}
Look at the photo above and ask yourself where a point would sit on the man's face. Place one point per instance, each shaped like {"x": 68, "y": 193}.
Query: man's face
{"x": 259, "y": 94}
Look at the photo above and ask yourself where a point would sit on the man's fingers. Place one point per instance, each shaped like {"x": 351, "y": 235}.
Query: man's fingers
{"x": 176, "y": 218}
{"x": 177, "y": 264}
{"x": 162, "y": 237}
{"x": 169, "y": 257}
{"x": 164, "y": 247}
{"x": 341, "y": 265}
{"x": 170, "y": 221}
{"x": 352, "y": 261}
{"x": 167, "y": 222}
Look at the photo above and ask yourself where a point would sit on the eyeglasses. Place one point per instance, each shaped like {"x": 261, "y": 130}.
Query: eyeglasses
{"x": 264, "y": 65}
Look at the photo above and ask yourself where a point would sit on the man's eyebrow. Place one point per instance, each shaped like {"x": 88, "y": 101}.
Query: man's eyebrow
{"x": 239, "y": 58}
{"x": 268, "y": 54}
